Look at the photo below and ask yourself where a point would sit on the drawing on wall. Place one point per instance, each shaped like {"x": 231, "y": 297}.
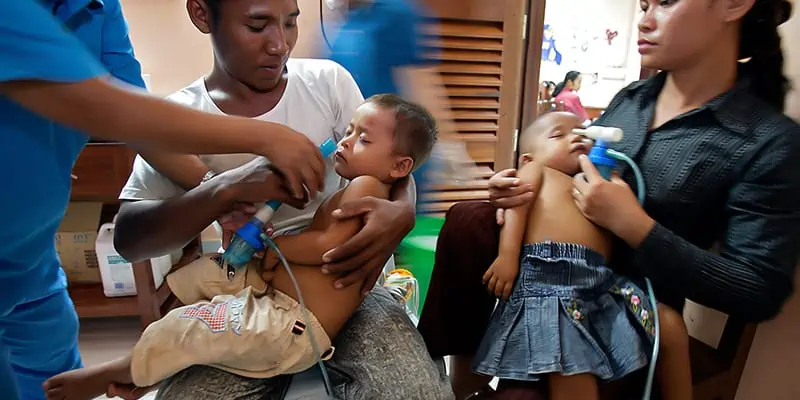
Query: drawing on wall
{"x": 610, "y": 35}
{"x": 549, "y": 51}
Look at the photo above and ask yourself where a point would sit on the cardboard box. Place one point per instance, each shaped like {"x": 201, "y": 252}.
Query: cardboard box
{"x": 75, "y": 242}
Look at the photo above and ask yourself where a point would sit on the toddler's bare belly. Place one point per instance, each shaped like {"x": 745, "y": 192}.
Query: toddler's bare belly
{"x": 332, "y": 307}
{"x": 555, "y": 217}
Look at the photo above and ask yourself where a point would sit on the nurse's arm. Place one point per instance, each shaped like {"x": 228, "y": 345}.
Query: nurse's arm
{"x": 111, "y": 112}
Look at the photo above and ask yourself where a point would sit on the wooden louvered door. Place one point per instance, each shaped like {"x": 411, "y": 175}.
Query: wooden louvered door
{"x": 479, "y": 48}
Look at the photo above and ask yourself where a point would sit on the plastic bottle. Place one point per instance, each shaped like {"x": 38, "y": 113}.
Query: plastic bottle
{"x": 116, "y": 272}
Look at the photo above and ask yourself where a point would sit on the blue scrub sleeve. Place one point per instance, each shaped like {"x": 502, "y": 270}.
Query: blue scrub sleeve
{"x": 35, "y": 45}
{"x": 404, "y": 37}
{"x": 118, "y": 54}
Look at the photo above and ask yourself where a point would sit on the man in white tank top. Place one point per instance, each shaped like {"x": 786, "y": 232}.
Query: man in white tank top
{"x": 379, "y": 354}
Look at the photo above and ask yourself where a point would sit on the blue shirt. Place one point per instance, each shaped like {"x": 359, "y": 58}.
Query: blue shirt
{"x": 377, "y": 38}
{"x": 86, "y": 39}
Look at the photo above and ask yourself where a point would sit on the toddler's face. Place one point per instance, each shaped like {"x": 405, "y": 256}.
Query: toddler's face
{"x": 559, "y": 148}
{"x": 368, "y": 147}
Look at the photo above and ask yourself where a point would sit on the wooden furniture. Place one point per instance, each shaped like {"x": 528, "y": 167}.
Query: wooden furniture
{"x": 716, "y": 372}
{"x": 479, "y": 47}
{"x": 101, "y": 171}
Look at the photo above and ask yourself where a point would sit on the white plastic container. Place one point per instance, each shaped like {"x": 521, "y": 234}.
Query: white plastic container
{"x": 117, "y": 273}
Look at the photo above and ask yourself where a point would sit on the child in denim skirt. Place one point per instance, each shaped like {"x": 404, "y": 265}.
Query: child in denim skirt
{"x": 564, "y": 316}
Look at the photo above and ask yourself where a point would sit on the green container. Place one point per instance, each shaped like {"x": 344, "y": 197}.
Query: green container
{"x": 417, "y": 252}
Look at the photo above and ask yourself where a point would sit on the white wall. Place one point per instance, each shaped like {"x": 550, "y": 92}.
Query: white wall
{"x": 773, "y": 367}
{"x": 579, "y": 30}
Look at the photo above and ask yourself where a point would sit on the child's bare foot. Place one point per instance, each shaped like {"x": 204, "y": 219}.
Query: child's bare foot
{"x": 88, "y": 383}
{"x": 127, "y": 391}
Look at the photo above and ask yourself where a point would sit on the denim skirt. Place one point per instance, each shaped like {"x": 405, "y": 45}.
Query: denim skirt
{"x": 568, "y": 314}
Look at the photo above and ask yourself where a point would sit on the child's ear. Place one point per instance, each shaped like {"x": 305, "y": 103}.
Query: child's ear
{"x": 402, "y": 167}
{"x": 525, "y": 158}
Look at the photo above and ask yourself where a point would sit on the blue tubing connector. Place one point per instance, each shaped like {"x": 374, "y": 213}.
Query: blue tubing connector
{"x": 601, "y": 160}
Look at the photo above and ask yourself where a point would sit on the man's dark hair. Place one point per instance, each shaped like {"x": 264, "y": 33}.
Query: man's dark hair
{"x": 415, "y": 130}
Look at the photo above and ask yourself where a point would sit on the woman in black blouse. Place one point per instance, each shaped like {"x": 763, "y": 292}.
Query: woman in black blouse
{"x": 720, "y": 161}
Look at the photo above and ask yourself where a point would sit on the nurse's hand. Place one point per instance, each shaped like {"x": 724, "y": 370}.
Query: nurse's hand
{"x": 362, "y": 257}
{"x": 610, "y": 204}
{"x": 507, "y": 191}
{"x": 299, "y": 161}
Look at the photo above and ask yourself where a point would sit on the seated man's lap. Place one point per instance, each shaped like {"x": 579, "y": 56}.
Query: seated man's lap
{"x": 379, "y": 354}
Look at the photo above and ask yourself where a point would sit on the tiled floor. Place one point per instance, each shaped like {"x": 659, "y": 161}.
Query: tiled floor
{"x": 105, "y": 339}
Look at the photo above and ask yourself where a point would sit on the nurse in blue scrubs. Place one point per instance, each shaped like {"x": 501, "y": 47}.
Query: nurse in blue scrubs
{"x": 379, "y": 43}
{"x": 55, "y": 56}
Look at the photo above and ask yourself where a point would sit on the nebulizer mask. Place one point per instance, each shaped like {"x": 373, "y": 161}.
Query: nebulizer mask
{"x": 605, "y": 160}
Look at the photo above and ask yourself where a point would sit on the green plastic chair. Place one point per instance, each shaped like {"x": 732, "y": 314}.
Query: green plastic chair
{"x": 418, "y": 250}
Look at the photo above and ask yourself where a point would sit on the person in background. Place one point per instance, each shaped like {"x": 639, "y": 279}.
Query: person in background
{"x": 720, "y": 164}
{"x": 55, "y": 92}
{"x": 566, "y": 92}
{"x": 546, "y": 89}
{"x": 380, "y": 43}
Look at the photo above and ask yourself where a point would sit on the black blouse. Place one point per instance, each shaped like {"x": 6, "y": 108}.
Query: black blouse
{"x": 728, "y": 172}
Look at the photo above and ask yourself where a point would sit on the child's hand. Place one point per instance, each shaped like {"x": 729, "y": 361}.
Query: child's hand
{"x": 268, "y": 265}
{"x": 500, "y": 277}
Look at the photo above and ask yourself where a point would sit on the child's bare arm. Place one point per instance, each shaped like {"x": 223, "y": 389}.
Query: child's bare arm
{"x": 308, "y": 247}
{"x": 501, "y": 274}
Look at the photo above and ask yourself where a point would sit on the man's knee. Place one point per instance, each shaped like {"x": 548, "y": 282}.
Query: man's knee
{"x": 380, "y": 354}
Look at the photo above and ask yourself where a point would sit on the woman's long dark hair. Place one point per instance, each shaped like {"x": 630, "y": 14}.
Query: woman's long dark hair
{"x": 761, "y": 43}
{"x": 570, "y": 77}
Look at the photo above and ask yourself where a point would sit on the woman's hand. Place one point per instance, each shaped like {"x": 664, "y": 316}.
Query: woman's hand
{"x": 362, "y": 257}
{"x": 610, "y": 204}
{"x": 508, "y": 191}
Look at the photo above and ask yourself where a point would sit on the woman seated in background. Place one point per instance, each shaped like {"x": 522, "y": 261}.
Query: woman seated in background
{"x": 566, "y": 92}
{"x": 720, "y": 163}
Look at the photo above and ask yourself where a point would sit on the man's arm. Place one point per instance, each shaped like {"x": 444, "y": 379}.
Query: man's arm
{"x": 148, "y": 228}
{"x": 308, "y": 247}
{"x": 185, "y": 170}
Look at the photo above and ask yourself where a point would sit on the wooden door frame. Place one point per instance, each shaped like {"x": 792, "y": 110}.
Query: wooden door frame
{"x": 530, "y": 86}
{"x": 513, "y": 77}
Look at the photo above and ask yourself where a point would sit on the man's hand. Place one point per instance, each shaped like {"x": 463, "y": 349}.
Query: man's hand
{"x": 508, "y": 191}
{"x": 247, "y": 187}
{"x": 500, "y": 277}
{"x": 299, "y": 160}
{"x": 254, "y": 182}
{"x": 362, "y": 257}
